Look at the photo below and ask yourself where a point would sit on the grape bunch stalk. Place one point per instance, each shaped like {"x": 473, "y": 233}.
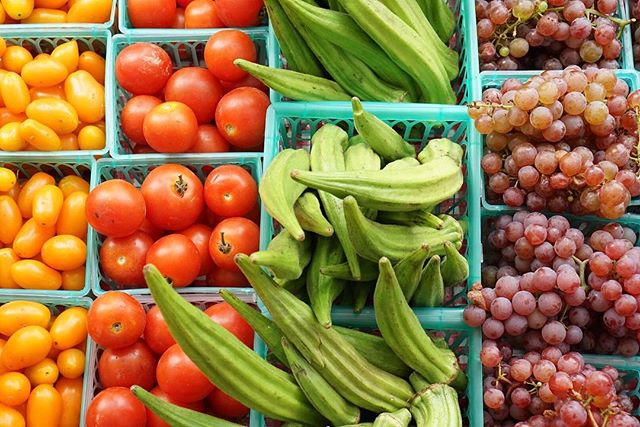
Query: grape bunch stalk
{"x": 548, "y": 34}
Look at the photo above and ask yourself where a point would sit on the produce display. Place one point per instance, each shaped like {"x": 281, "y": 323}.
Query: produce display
{"x": 55, "y": 11}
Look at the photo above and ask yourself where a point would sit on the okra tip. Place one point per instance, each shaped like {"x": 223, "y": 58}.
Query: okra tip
{"x": 356, "y": 105}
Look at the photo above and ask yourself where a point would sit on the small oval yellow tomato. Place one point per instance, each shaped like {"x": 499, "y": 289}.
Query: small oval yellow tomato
{"x": 10, "y": 219}
{"x": 73, "y": 280}
{"x": 7, "y": 258}
{"x": 7, "y": 179}
{"x": 18, "y": 9}
{"x": 58, "y": 114}
{"x": 95, "y": 11}
{"x": 56, "y": 92}
{"x": 26, "y": 347}
{"x": 15, "y": 92}
{"x": 71, "y": 363}
{"x": 25, "y": 198}
{"x": 64, "y": 252}
{"x": 10, "y": 139}
{"x": 14, "y": 388}
{"x": 7, "y": 116}
{"x": 70, "y": 328}
{"x": 13, "y": 193}
{"x": 69, "y": 142}
{"x": 47, "y": 204}
{"x": 94, "y": 64}
{"x": 15, "y": 57}
{"x": 91, "y": 138}
{"x": 10, "y": 417}
{"x": 72, "y": 183}
{"x": 43, "y": 372}
{"x": 15, "y": 315}
{"x": 86, "y": 95}
{"x": 32, "y": 274}
{"x": 46, "y": 16}
{"x": 41, "y": 137}
{"x": 44, "y": 72}
{"x": 73, "y": 217}
{"x": 67, "y": 54}
{"x": 29, "y": 240}
{"x": 71, "y": 393}
{"x": 44, "y": 407}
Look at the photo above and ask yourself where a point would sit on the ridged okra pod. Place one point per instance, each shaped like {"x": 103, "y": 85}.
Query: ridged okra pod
{"x": 285, "y": 256}
{"x": 409, "y": 269}
{"x": 323, "y": 290}
{"x": 440, "y": 17}
{"x": 403, "y": 163}
{"x": 309, "y": 214}
{"x": 402, "y": 331}
{"x": 418, "y": 217}
{"x": 232, "y": 366}
{"x": 441, "y": 147}
{"x": 399, "y": 418}
{"x": 356, "y": 379}
{"x": 319, "y": 392}
{"x": 430, "y": 291}
{"x": 362, "y": 291}
{"x": 436, "y": 406}
{"x": 362, "y": 157}
{"x": 368, "y": 271}
{"x": 455, "y": 267}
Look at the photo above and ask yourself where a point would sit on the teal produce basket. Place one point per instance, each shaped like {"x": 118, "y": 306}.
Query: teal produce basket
{"x": 135, "y": 171}
{"x": 58, "y": 168}
{"x": 44, "y": 41}
{"x": 466, "y": 342}
{"x": 293, "y": 125}
{"x": 69, "y": 25}
{"x": 185, "y": 50}
{"x": 462, "y": 42}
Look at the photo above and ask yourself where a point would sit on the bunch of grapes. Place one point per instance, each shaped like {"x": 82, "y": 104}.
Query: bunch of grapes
{"x": 561, "y": 141}
{"x": 549, "y": 389}
{"x": 549, "y": 35}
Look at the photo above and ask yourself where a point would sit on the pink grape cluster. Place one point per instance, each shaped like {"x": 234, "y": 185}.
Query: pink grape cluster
{"x": 561, "y": 141}
{"x": 551, "y": 389}
{"x": 549, "y": 35}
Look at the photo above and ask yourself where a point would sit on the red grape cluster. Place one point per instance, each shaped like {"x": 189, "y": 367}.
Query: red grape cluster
{"x": 549, "y": 35}
{"x": 561, "y": 141}
{"x": 549, "y": 389}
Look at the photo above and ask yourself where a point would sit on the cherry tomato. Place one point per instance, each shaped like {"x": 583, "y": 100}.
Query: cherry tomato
{"x": 44, "y": 72}
{"x": 240, "y": 13}
{"x": 70, "y": 328}
{"x": 71, "y": 394}
{"x": 54, "y": 92}
{"x": 170, "y": 127}
{"x": 116, "y": 406}
{"x": 154, "y": 421}
{"x": 209, "y": 140}
{"x": 151, "y": 13}
{"x": 219, "y": 277}
{"x": 144, "y": 68}
{"x": 33, "y": 274}
{"x": 14, "y": 389}
{"x": 92, "y": 63}
{"x": 18, "y": 314}
{"x": 173, "y": 196}
{"x": 72, "y": 183}
{"x": 178, "y": 23}
{"x": 57, "y": 114}
{"x": 240, "y": 117}
{"x": 69, "y": 142}
{"x": 30, "y": 238}
{"x": 200, "y": 235}
{"x": 115, "y": 320}
{"x": 11, "y": 417}
{"x": 7, "y": 179}
{"x": 64, "y": 252}
{"x": 15, "y": 92}
{"x": 15, "y": 57}
{"x": 122, "y": 259}
{"x": 248, "y": 81}
{"x": 180, "y": 378}
{"x": 25, "y": 198}
{"x": 7, "y": 116}
{"x": 196, "y": 88}
{"x": 115, "y": 208}
{"x": 10, "y": 218}
{"x": 39, "y": 136}
{"x": 231, "y": 237}
{"x": 47, "y": 204}
{"x": 156, "y": 332}
{"x": 133, "y": 114}
{"x": 7, "y": 258}
{"x": 128, "y": 366}
{"x": 223, "y": 48}
{"x": 67, "y": 53}
{"x": 202, "y": 14}
{"x": 10, "y": 139}
{"x": 177, "y": 258}
{"x": 73, "y": 280}
{"x": 86, "y": 95}
{"x": 73, "y": 216}
{"x": 43, "y": 372}
{"x": 46, "y": 16}
{"x": 91, "y": 138}
{"x": 44, "y": 407}
{"x": 227, "y": 317}
{"x": 26, "y": 347}
{"x": 230, "y": 191}
{"x": 89, "y": 11}
{"x": 71, "y": 363}
{"x": 224, "y": 406}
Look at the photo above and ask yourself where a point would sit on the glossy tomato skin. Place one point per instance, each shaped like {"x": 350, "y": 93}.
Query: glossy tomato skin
{"x": 239, "y": 13}
{"x": 180, "y": 378}
{"x": 230, "y": 191}
{"x": 200, "y": 235}
{"x": 241, "y": 116}
{"x": 177, "y": 258}
{"x": 115, "y": 320}
{"x": 231, "y": 237}
{"x": 219, "y": 277}
{"x": 170, "y": 127}
{"x": 132, "y": 116}
{"x": 122, "y": 258}
{"x": 115, "y": 208}
{"x": 197, "y": 88}
{"x": 227, "y": 317}
{"x": 143, "y": 68}
{"x": 154, "y": 421}
{"x": 225, "y": 47}
{"x": 223, "y": 406}
{"x": 202, "y": 14}
{"x": 174, "y": 197}
{"x": 116, "y": 406}
{"x": 151, "y": 13}
{"x": 209, "y": 140}
{"x": 156, "y": 331}
{"x": 128, "y": 366}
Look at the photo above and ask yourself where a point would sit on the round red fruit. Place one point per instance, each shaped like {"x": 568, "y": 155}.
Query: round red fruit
{"x": 115, "y": 208}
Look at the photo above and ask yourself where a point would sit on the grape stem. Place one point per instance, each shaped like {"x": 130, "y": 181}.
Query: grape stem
{"x": 618, "y": 21}
{"x": 490, "y": 105}
{"x": 583, "y": 272}
{"x": 592, "y": 419}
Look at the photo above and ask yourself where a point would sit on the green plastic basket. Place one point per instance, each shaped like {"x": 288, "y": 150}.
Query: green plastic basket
{"x": 185, "y": 50}
{"x": 28, "y": 28}
{"x": 44, "y": 41}
{"x": 448, "y": 323}
{"x": 58, "y": 168}
{"x": 461, "y": 41}
{"x": 134, "y": 171}
{"x": 293, "y": 125}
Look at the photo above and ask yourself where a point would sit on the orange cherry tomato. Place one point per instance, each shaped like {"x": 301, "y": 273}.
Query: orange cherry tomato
{"x": 15, "y": 92}
{"x": 67, "y": 54}
{"x": 7, "y": 179}
{"x": 10, "y": 139}
{"x": 26, "y": 347}
{"x": 94, "y": 64}
{"x": 39, "y": 136}
{"x": 91, "y": 138}
{"x": 71, "y": 393}
{"x": 47, "y": 204}
{"x": 44, "y": 72}
{"x": 73, "y": 217}
{"x": 86, "y": 95}
{"x": 72, "y": 183}
{"x": 32, "y": 274}
{"x": 64, "y": 252}
{"x": 96, "y": 11}
{"x": 10, "y": 219}
{"x": 15, "y": 315}
{"x": 55, "y": 92}
{"x": 25, "y": 198}
{"x": 14, "y": 388}
{"x": 15, "y": 57}
{"x": 71, "y": 363}
{"x": 46, "y": 16}
{"x": 69, "y": 142}
{"x": 18, "y": 9}
{"x": 10, "y": 417}
{"x": 70, "y": 328}
{"x": 29, "y": 240}
{"x": 44, "y": 372}
{"x": 58, "y": 114}
{"x": 73, "y": 280}
{"x": 7, "y": 116}
{"x": 44, "y": 407}
{"x": 7, "y": 258}
{"x": 13, "y": 192}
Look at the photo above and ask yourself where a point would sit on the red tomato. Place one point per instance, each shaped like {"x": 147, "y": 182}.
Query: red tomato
{"x": 196, "y": 88}
{"x": 219, "y": 277}
{"x": 180, "y": 378}
{"x": 224, "y": 406}
{"x": 173, "y": 196}
{"x": 133, "y": 114}
{"x": 177, "y": 258}
{"x": 116, "y": 406}
{"x": 122, "y": 259}
{"x": 156, "y": 332}
{"x": 230, "y": 191}
{"x": 240, "y": 13}
{"x": 178, "y": 22}
{"x": 128, "y": 366}
{"x": 202, "y": 14}
{"x": 225, "y": 47}
{"x": 248, "y": 81}
{"x": 115, "y": 320}
{"x": 151, "y": 230}
{"x": 209, "y": 140}
{"x": 200, "y": 235}
{"x": 233, "y": 236}
{"x": 241, "y": 116}
{"x": 151, "y": 13}
{"x": 227, "y": 317}
{"x": 155, "y": 421}
{"x": 144, "y": 68}
{"x": 115, "y": 208}
{"x": 170, "y": 127}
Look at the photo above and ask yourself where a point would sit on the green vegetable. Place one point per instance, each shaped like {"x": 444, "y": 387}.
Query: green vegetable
{"x": 323, "y": 290}
{"x": 309, "y": 214}
{"x": 430, "y": 291}
{"x": 285, "y": 256}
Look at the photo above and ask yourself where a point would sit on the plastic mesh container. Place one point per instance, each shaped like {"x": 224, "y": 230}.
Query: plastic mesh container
{"x": 44, "y": 41}
{"x": 92, "y": 382}
{"x": 29, "y": 28}
{"x": 461, "y": 42}
{"x": 135, "y": 171}
{"x": 185, "y": 50}
{"x": 466, "y": 342}
{"x": 57, "y": 168}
